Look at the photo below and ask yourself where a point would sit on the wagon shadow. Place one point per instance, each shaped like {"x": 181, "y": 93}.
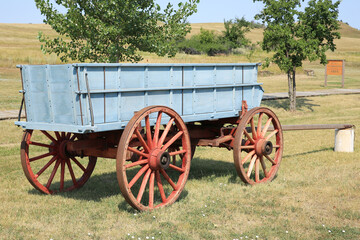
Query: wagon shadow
{"x": 301, "y": 104}
{"x": 105, "y": 185}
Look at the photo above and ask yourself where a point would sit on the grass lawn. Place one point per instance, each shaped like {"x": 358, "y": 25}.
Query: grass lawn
{"x": 314, "y": 196}
{"x": 316, "y": 191}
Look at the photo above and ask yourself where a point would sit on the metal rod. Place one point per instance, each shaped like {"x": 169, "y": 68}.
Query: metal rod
{"x": 78, "y": 82}
{"x": 89, "y": 96}
{"x": 21, "y": 107}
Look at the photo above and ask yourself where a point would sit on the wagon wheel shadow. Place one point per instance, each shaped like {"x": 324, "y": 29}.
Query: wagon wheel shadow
{"x": 105, "y": 185}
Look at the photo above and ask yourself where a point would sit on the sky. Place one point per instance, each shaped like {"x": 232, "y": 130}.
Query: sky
{"x": 25, "y": 11}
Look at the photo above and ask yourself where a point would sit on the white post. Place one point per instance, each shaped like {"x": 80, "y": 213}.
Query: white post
{"x": 344, "y": 140}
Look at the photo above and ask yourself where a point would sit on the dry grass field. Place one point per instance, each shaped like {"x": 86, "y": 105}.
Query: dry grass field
{"x": 314, "y": 196}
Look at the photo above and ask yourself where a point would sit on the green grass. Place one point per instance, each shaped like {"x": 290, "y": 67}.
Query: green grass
{"x": 314, "y": 187}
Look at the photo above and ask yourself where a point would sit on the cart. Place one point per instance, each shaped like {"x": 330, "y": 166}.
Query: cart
{"x": 150, "y": 118}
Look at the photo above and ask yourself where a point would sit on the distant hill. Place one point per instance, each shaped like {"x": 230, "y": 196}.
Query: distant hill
{"x": 348, "y": 31}
{"x": 256, "y": 34}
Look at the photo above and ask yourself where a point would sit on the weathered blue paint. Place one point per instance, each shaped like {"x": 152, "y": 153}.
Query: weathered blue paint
{"x": 57, "y": 99}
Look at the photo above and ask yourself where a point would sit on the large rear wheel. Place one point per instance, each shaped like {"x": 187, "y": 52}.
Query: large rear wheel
{"x": 160, "y": 142}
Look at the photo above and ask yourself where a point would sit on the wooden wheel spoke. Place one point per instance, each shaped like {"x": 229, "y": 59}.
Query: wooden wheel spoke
{"x": 166, "y": 131}
{"x": 151, "y": 189}
{"x": 247, "y": 157}
{"x": 41, "y": 144}
{"x": 257, "y": 174}
{"x": 160, "y": 186}
{"x": 41, "y": 156}
{"x": 148, "y": 131}
{"x": 248, "y": 147}
{"x": 271, "y": 134}
{"x": 263, "y": 165}
{"x": 266, "y": 127}
{"x": 270, "y": 159}
{"x": 73, "y": 178}
{"x": 157, "y": 129}
{"x": 138, "y": 175}
{"x": 58, "y": 135}
{"x": 140, "y": 153}
{"x": 276, "y": 146}
{"x": 142, "y": 141}
{"x": 259, "y": 125}
{"x": 46, "y": 166}
{"x": 172, "y": 140}
{"x": 249, "y": 137}
{"x": 78, "y": 163}
{"x": 73, "y": 138}
{"x": 49, "y": 136}
{"x": 53, "y": 173}
{"x": 177, "y": 152}
{"x": 176, "y": 168}
{"x": 62, "y": 175}
{"x": 137, "y": 163}
{"x": 51, "y": 163}
{"x": 253, "y": 130}
{"x": 143, "y": 185}
{"x": 251, "y": 166}
{"x": 168, "y": 179}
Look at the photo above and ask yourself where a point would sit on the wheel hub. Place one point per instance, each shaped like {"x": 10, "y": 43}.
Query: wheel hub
{"x": 159, "y": 159}
{"x": 267, "y": 148}
{"x": 263, "y": 147}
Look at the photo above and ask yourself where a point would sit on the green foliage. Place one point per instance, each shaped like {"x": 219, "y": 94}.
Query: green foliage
{"x": 295, "y": 36}
{"x": 205, "y": 42}
{"x": 114, "y": 30}
{"x": 235, "y": 31}
{"x": 210, "y": 43}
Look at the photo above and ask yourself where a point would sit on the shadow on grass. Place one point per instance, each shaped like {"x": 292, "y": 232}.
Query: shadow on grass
{"x": 105, "y": 185}
{"x": 309, "y": 152}
{"x": 301, "y": 104}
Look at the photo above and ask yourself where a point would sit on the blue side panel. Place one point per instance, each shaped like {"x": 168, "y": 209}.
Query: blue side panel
{"x": 204, "y": 101}
{"x": 225, "y": 75}
{"x": 224, "y": 100}
{"x": 131, "y": 102}
{"x": 36, "y": 94}
{"x": 111, "y": 99}
{"x": 250, "y": 74}
{"x": 132, "y": 77}
{"x": 61, "y": 99}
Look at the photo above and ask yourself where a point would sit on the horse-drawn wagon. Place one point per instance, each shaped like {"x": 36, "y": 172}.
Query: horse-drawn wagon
{"x": 150, "y": 118}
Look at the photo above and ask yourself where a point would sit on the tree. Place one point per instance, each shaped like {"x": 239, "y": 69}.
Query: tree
{"x": 235, "y": 31}
{"x": 113, "y": 30}
{"x": 294, "y": 35}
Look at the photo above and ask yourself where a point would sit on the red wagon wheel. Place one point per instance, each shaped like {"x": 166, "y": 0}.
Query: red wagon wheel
{"x": 258, "y": 146}
{"x": 44, "y": 158}
{"x": 160, "y": 171}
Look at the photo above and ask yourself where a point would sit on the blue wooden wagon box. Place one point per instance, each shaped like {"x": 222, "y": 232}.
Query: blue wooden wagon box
{"x": 150, "y": 118}
{"x": 102, "y": 97}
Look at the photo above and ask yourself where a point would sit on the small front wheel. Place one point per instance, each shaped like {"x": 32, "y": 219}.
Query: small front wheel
{"x": 44, "y": 159}
{"x": 160, "y": 142}
{"x": 258, "y": 146}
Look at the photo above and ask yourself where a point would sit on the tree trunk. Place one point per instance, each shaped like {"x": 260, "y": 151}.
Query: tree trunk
{"x": 292, "y": 89}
